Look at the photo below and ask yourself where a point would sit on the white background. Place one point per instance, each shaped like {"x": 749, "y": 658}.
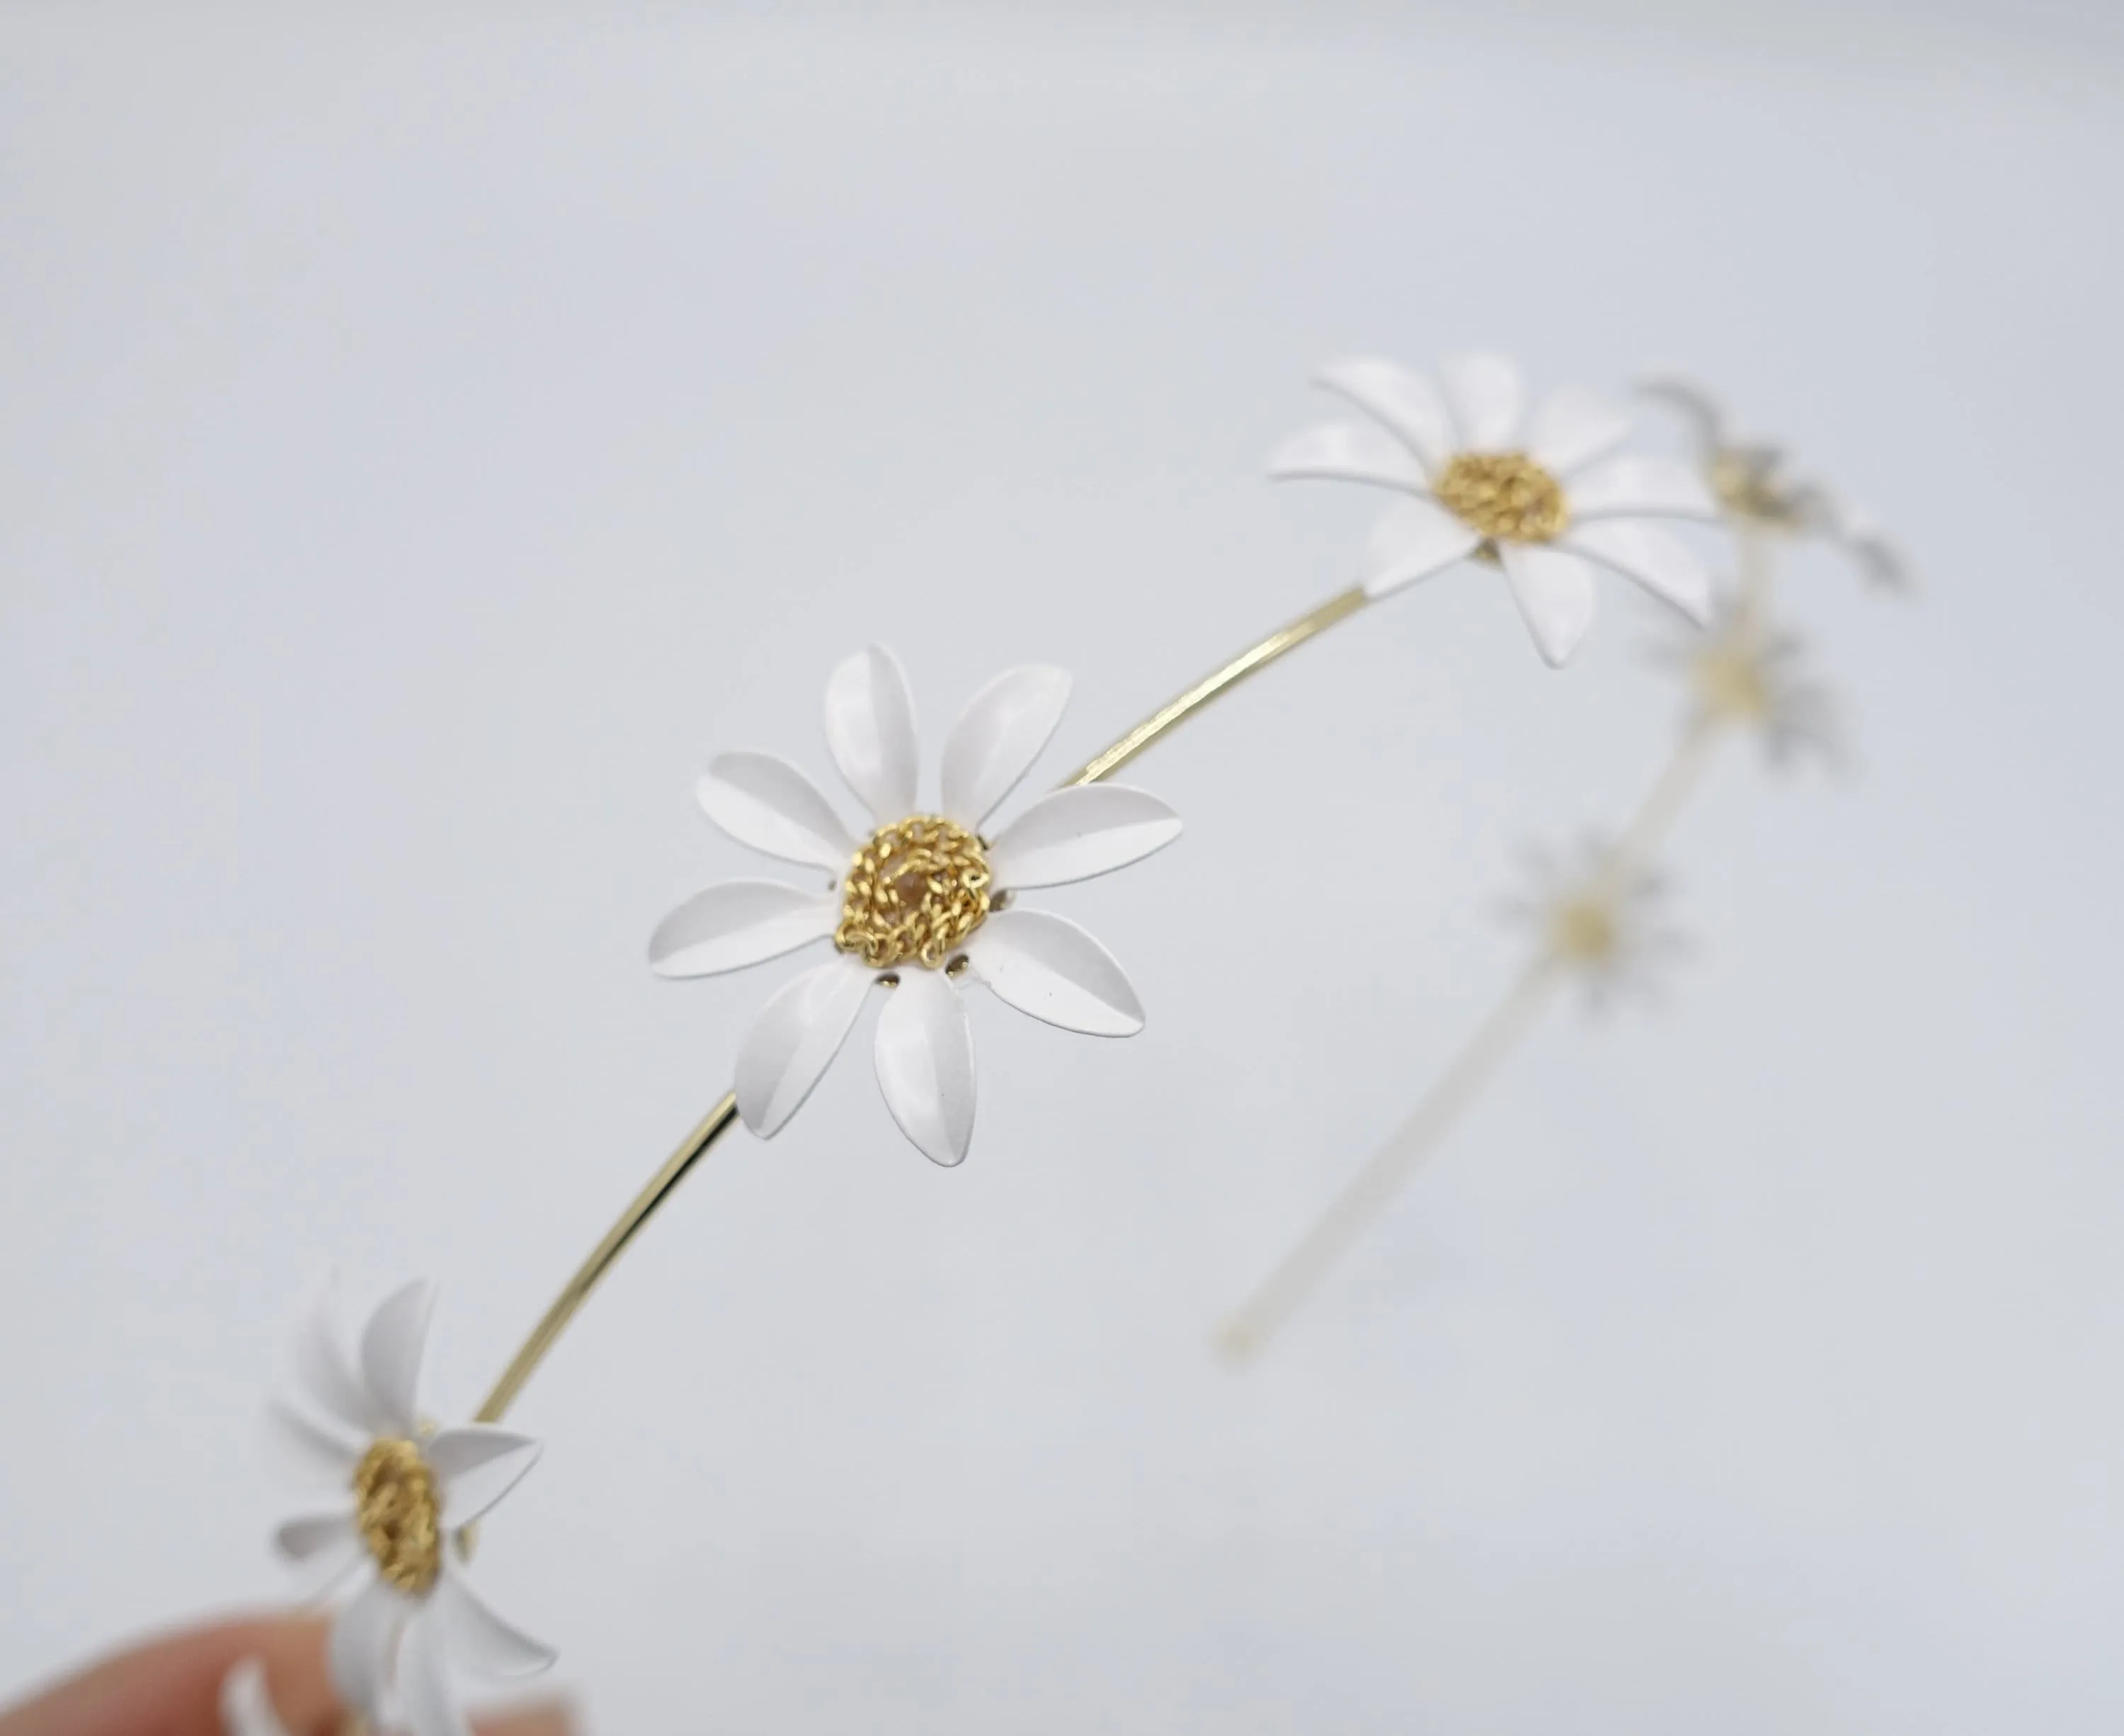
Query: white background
{"x": 427, "y": 440}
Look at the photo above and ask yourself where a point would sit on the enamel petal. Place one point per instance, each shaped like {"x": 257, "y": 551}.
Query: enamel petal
{"x": 1656, "y": 560}
{"x": 870, "y": 727}
{"x": 1348, "y": 453}
{"x": 1048, "y": 966}
{"x": 391, "y": 1347}
{"x": 739, "y": 923}
{"x": 481, "y": 1640}
{"x": 997, "y": 738}
{"x": 314, "y": 1449}
{"x": 1074, "y": 834}
{"x": 313, "y": 1535}
{"x": 765, "y": 802}
{"x": 925, "y": 1064}
{"x": 247, "y": 1708}
{"x": 426, "y": 1699}
{"x": 476, "y": 1466}
{"x": 1404, "y": 402}
{"x": 1488, "y": 399}
{"x": 797, "y": 1035}
{"x": 363, "y": 1636}
{"x": 1573, "y": 427}
{"x": 1412, "y": 540}
{"x": 1631, "y": 486}
{"x": 1554, "y": 592}
{"x": 323, "y": 1371}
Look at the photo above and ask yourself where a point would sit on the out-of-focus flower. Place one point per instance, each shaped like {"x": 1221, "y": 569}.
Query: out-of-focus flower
{"x": 918, "y": 903}
{"x": 1755, "y": 481}
{"x": 1547, "y": 502}
{"x": 247, "y": 1708}
{"x": 1608, "y": 928}
{"x": 1746, "y": 673}
{"x": 407, "y": 1488}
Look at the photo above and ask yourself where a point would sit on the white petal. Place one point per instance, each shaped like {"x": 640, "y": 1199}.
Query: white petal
{"x": 247, "y": 1708}
{"x": 1404, "y": 402}
{"x": 1656, "y": 560}
{"x": 480, "y": 1639}
{"x": 997, "y": 738}
{"x": 1573, "y": 427}
{"x": 797, "y": 1035}
{"x": 1076, "y": 833}
{"x": 1631, "y": 486}
{"x": 364, "y": 1635}
{"x": 870, "y": 727}
{"x": 1412, "y": 540}
{"x": 925, "y": 1064}
{"x": 767, "y": 803}
{"x": 1554, "y": 592}
{"x": 1048, "y": 966}
{"x": 313, "y": 1448}
{"x": 391, "y": 1347}
{"x": 1488, "y": 397}
{"x": 739, "y": 923}
{"x": 429, "y": 1703}
{"x": 476, "y": 1466}
{"x": 322, "y": 1370}
{"x": 315, "y": 1534}
{"x": 1348, "y": 453}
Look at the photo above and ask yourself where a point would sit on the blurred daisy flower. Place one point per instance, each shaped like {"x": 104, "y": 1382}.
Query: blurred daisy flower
{"x": 920, "y": 902}
{"x": 1748, "y": 674}
{"x": 1754, "y": 481}
{"x": 1546, "y": 499}
{"x": 1609, "y": 930}
{"x": 406, "y": 1488}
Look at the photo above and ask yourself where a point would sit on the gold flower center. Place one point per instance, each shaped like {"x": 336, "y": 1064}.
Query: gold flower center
{"x": 1583, "y": 930}
{"x": 1730, "y": 683}
{"x": 915, "y": 890}
{"x": 399, "y": 1514}
{"x": 1505, "y": 496}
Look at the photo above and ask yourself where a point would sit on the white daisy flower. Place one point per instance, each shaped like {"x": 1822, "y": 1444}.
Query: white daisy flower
{"x": 407, "y": 1488}
{"x": 1609, "y": 929}
{"x": 918, "y": 903}
{"x": 1755, "y": 480}
{"x": 1746, "y": 673}
{"x": 1547, "y": 501}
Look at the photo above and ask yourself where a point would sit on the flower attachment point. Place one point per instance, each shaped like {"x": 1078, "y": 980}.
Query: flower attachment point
{"x": 1505, "y": 496}
{"x": 913, "y": 894}
{"x": 399, "y": 1514}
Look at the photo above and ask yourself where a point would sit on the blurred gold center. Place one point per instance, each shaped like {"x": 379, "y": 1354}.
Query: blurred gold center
{"x": 1505, "y": 496}
{"x": 399, "y": 1514}
{"x": 1730, "y": 683}
{"x": 915, "y": 892}
{"x": 1583, "y": 930}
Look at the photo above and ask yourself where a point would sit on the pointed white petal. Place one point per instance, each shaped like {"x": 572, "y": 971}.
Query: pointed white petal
{"x": 1074, "y": 834}
{"x": 739, "y": 923}
{"x": 1048, "y": 966}
{"x": 476, "y": 1466}
{"x": 1554, "y": 591}
{"x": 323, "y": 1371}
{"x": 1412, "y": 540}
{"x": 363, "y": 1636}
{"x": 1573, "y": 427}
{"x": 997, "y": 738}
{"x": 481, "y": 1640}
{"x": 312, "y": 1535}
{"x": 427, "y": 1700}
{"x": 316, "y": 1449}
{"x": 391, "y": 1347}
{"x": 925, "y": 1064}
{"x": 1347, "y": 452}
{"x": 1656, "y": 560}
{"x": 870, "y": 727}
{"x": 1487, "y": 398}
{"x": 1405, "y": 403}
{"x": 247, "y": 1708}
{"x": 1633, "y": 486}
{"x": 766, "y": 803}
{"x": 797, "y": 1035}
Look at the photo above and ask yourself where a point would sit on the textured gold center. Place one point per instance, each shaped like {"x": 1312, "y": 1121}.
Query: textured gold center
{"x": 1505, "y": 496}
{"x": 915, "y": 890}
{"x": 399, "y": 1514}
{"x": 1747, "y": 487}
{"x": 1583, "y": 930}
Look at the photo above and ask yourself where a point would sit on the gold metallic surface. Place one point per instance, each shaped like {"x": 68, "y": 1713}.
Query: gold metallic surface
{"x": 915, "y": 890}
{"x": 398, "y": 1513}
{"x": 1505, "y": 496}
{"x": 1583, "y": 929}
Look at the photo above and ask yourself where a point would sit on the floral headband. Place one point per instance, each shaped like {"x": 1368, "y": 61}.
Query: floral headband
{"x": 922, "y": 898}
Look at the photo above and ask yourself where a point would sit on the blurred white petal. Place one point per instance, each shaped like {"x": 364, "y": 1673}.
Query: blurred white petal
{"x": 474, "y": 1636}
{"x": 391, "y": 1347}
{"x": 1573, "y": 427}
{"x": 426, "y": 1700}
{"x": 1405, "y": 403}
{"x": 1347, "y": 452}
{"x": 1660, "y": 562}
{"x": 323, "y": 1371}
{"x": 1630, "y": 486}
{"x": 1412, "y": 540}
{"x": 1487, "y": 398}
{"x": 363, "y": 1636}
{"x": 314, "y": 1534}
{"x": 477, "y": 1464}
{"x": 247, "y": 1708}
{"x": 1554, "y": 592}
